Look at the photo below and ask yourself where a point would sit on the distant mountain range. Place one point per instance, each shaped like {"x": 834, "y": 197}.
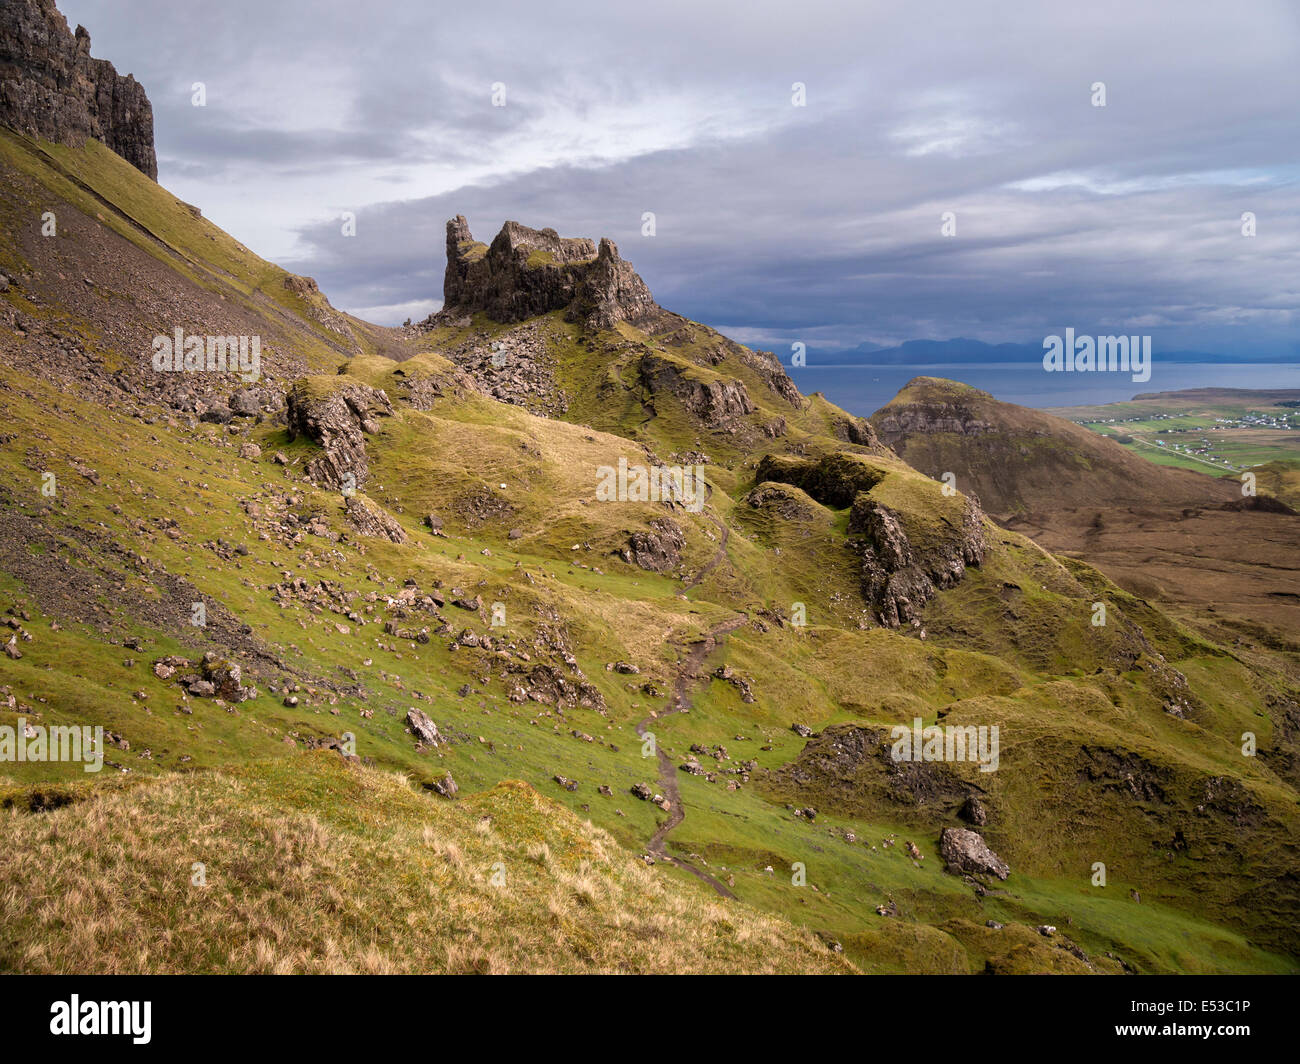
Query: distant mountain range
{"x": 963, "y": 351}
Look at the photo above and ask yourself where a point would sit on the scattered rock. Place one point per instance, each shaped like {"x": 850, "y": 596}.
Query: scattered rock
{"x": 444, "y": 786}
{"x": 973, "y": 812}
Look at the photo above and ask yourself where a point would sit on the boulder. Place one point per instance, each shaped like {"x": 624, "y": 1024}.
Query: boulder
{"x": 973, "y": 811}
{"x": 423, "y": 728}
{"x": 444, "y": 786}
{"x": 245, "y": 402}
{"x": 966, "y": 852}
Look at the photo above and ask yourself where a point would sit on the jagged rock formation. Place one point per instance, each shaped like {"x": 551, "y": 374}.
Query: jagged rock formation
{"x": 714, "y": 403}
{"x": 318, "y": 307}
{"x": 899, "y": 576}
{"x": 337, "y": 414}
{"x": 526, "y": 272}
{"x": 858, "y": 431}
{"x": 369, "y": 519}
{"x": 51, "y": 88}
{"x": 658, "y": 550}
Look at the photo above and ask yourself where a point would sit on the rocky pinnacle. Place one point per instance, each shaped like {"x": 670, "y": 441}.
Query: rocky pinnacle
{"x": 526, "y": 272}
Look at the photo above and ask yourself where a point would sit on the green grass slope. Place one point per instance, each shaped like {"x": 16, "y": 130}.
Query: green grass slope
{"x": 567, "y": 649}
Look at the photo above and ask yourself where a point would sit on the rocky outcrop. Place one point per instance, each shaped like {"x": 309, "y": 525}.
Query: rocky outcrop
{"x": 658, "y": 549}
{"x": 899, "y": 579}
{"x": 337, "y": 415}
{"x": 856, "y": 430}
{"x": 210, "y": 677}
{"x": 370, "y": 519}
{"x": 527, "y": 272}
{"x": 929, "y": 418}
{"x": 769, "y": 367}
{"x": 898, "y": 575}
{"x": 834, "y": 480}
{"x": 51, "y": 88}
{"x": 546, "y": 684}
{"x": 713, "y": 402}
{"x": 780, "y": 501}
{"x": 966, "y": 852}
{"x": 318, "y": 308}
{"x": 850, "y": 768}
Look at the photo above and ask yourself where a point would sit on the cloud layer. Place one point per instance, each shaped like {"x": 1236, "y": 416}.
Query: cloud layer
{"x": 774, "y": 222}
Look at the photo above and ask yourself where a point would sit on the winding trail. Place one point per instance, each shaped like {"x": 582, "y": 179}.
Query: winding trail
{"x": 690, "y": 671}
{"x": 718, "y": 555}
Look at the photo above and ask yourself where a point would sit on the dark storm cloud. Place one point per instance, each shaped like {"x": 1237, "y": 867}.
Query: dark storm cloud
{"x": 776, "y": 223}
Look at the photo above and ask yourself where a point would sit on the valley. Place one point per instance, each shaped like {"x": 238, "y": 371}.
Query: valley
{"x": 1232, "y": 430}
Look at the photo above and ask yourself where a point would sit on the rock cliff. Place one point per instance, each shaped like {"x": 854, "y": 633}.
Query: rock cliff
{"x": 50, "y": 87}
{"x": 338, "y": 413}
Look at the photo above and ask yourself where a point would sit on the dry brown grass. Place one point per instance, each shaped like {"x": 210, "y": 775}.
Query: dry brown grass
{"x": 312, "y": 866}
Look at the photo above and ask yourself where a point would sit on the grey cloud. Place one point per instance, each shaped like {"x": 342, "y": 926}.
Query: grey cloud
{"x": 778, "y": 222}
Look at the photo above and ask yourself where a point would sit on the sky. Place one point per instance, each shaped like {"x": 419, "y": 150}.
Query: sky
{"x": 780, "y": 216}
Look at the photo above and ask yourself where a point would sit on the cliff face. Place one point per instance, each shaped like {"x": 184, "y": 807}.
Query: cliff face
{"x": 50, "y": 87}
{"x": 526, "y": 272}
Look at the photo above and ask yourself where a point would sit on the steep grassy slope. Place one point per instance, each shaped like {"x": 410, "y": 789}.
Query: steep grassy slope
{"x": 344, "y": 633}
{"x": 1279, "y": 478}
{"x": 306, "y": 865}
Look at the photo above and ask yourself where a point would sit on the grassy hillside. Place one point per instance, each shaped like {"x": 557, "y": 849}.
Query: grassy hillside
{"x": 516, "y": 621}
{"x": 1020, "y": 460}
{"x": 303, "y": 864}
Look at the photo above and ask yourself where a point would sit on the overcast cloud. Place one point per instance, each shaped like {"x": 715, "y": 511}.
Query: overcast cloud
{"x": 774, "y": 222}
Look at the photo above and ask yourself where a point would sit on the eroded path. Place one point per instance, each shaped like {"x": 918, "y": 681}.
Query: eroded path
{"x": 690, "y": 672}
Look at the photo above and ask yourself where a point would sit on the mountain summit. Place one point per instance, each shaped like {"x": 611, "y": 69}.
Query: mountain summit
{"x": 526, "y": 272}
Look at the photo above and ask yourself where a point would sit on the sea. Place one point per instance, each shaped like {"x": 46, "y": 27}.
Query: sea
{"x": 863, "y": 389}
